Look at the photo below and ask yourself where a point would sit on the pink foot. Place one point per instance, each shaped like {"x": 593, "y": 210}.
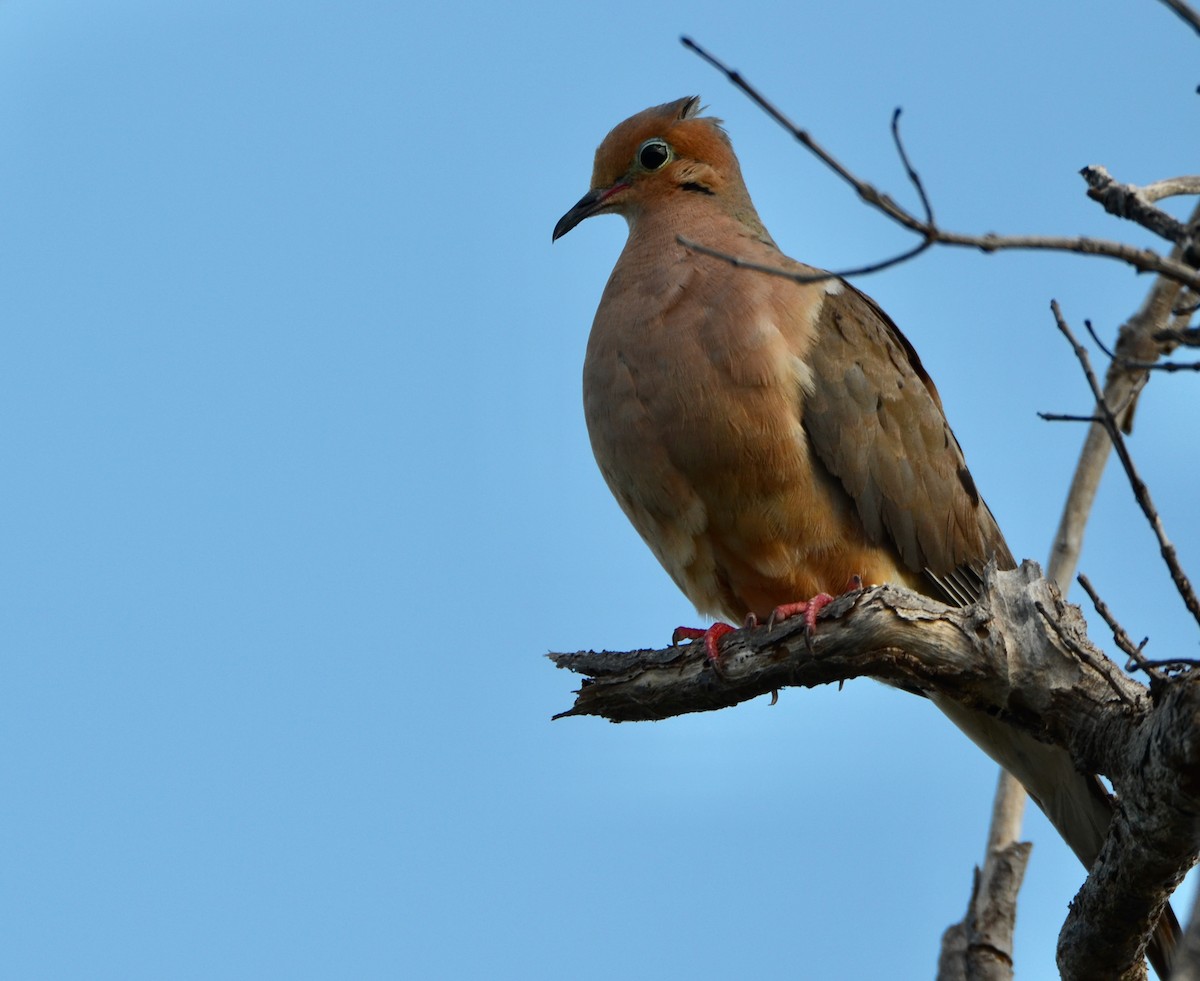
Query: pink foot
{"x": 711, "y": 637}
{"x": 810, "y": 608}
{"x": 806, "y": 608}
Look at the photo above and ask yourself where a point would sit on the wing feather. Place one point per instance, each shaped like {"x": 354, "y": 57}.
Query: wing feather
{"x": 875, "y": 421}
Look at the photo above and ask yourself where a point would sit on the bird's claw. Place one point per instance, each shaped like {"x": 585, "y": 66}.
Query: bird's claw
{"x": 710, "y": 636}
{"x": 806, "y": 608}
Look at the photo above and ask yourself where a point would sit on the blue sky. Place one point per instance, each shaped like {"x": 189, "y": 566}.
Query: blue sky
{"x": 298, "y": 492}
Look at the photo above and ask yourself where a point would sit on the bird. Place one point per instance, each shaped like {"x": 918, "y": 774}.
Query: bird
{"x": 774, "y": 439}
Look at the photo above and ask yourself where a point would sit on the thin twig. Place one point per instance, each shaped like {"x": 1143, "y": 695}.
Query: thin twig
{"x": 1167, "y": 366}
{"x": 1101, "y": 665}
{"x": 822, "y": 275}
{"x": 1143, "y": 260}
{"x": 1136, "y": 340}
{"x": 866, "y": 191}
{"x": 813, "y": 277}
{"x": 1066, "y": 417}
{"x": 1172, "y": 664}
{"x": 1099, "y": 343}
{"x": 1122, "y": 639}
{"x": 1140, "y": 491}
{"x": 1188, "y": 14}
{"x": 913, "y": 177}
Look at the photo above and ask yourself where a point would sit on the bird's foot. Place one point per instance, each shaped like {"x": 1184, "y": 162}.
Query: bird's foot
{"x": 807, "y": 608}
{"x": 810, "y": 608}
{"x": 711, "y": 636}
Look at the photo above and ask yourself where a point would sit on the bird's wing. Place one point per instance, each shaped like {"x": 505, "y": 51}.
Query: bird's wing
{"x": 875, "y": 421}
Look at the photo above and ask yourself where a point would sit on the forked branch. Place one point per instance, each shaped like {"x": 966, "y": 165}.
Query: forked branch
{"x": 929, "y": 232}
{"x": 1022, "y": 655}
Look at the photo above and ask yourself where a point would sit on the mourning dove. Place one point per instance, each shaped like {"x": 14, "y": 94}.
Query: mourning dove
{"x": 771, "y": 440}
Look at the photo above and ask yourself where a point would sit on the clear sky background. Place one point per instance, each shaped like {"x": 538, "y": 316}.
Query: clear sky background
{"x": 297, "y": 491}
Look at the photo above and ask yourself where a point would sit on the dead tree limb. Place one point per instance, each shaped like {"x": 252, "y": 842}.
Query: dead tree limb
{"x": 1137, "y": 203}
{"x": 979, "y": 948}
{"x": 1022, "y": 655}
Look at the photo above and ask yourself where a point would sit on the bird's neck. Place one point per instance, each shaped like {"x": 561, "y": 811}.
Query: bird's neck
{"x": 699, "y": 218}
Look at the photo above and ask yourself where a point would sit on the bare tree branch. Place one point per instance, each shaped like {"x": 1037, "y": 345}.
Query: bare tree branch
{"x": 815, "y": 277}
{"x": 1171, "y": 187}
{"x": 983, "y": 959}
{"x": 1121, "y": 638}
{"x": 1144, "y": 260}
{"x": 913, "y": 177}
{"x": 1185, "y": 337}
{"x": 1139, "y": 341}
{"x": 1016, "y": 656}
{"x": 1187, "y": 13}
{"x": 1164, "y": 366}
{"x": 1132, "y": 202}
{"x": 1140, "y": 491}
{"x": 979, "y": 948}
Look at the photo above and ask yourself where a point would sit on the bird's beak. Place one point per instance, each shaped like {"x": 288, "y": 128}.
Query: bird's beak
{"x": 594, "y": 201}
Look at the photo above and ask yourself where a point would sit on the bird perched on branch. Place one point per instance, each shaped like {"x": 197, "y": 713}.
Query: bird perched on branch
{"x": 775, "y": 440}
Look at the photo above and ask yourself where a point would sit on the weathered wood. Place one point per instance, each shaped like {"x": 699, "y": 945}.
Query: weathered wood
{"x": 1023, "y": 656}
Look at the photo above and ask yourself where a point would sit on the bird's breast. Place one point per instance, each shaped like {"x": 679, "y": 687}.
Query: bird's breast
{"x": 694, "y": 399}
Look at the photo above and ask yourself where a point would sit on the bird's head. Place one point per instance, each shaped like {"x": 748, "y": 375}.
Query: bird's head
{"x": 651, "y": 158}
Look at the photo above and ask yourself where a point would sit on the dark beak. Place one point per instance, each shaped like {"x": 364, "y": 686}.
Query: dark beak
{"x": 588, "y": 205}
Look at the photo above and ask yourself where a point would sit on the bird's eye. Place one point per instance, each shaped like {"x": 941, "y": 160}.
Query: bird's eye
{"x": 654, "y": 153}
